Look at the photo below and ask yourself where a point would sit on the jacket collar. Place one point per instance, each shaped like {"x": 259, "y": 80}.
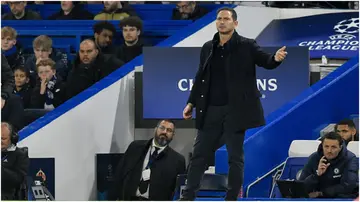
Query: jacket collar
{"x": 235, "y": 38}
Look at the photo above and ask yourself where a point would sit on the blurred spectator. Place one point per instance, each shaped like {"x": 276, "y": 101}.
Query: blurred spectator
{"x": 133, "y": 45}
{"x": 22, "y": 86}
{"x": 71, "y": 10}
{"x": 188, "y": 10}
{"x": 346, "y": 128}
{"x": 12, "y": 109}
{"x": 149, "y": 168}
{"x": 43, "y": 49}
{"x": 114, "y": 10}
{"x": 18, "y": 12}
{"x": 103, "y": 34}
{"x": 47, "y": 93}
{"x": 332, "y": 171}
{"x": 89, "y": 67}
{"x": 14, "y": 163}
{"x": 9, "y": 47}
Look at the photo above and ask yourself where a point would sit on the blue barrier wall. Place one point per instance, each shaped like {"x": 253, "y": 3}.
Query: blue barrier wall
{"x": 331, "y": 99}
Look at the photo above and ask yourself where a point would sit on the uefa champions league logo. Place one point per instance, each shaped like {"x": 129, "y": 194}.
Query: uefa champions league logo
{"x": 349, "y": 26}
{"x": 346, "y": 28}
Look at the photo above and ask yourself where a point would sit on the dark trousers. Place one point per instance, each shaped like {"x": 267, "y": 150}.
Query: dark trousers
{"x": 215, "y": 128}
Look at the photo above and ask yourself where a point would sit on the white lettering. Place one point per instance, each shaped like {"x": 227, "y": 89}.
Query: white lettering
{"x": 263, "y": 84}
{"x": 303, "y": 43}
{"x": 354, "y": 43}
{"x": 354, "y": 48}
{"x": 185, "y": 84}
{"x": 329, "y": 43}
{"x": 272, "y": 85}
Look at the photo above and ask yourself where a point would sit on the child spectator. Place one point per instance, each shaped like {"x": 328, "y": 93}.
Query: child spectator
{"x": 47, "y": 93}
{"x": 22, "y": 87}
{"x": 9, "y": 47}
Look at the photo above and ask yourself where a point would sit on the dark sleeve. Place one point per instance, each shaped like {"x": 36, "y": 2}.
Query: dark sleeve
{"x": 181, "y": 167}
{"x": 7, "y": 79}
{"x": 37, "y": 100}
{"x": 15, "y": 176}
{"x": 175, "y": 14}
{"x": 36, "y": 16}
{"x": 21, "y": 59}
{"x": 117, "y": 188}
{"x": 194, "y": 89}
{"x": 262, "y": 58}
{"x": 349, "y": 180}
{"x": 59, "y": 94}
{"x": 308, "y": 174}
{"x": 77, "y": 81}
{"x": 61, "y": 67}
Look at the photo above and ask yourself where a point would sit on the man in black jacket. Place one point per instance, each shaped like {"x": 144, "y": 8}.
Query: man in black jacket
{"x": 347, "y": 129}
{"x": 71, "y": 10}
{"x": 226, "y": 99}
{"x": 332, "y": 171}
{"x": 188, "y": 10}
{"x": 89, "y": 67}
{"x": 149, "y": 169}
{"x": 14, "y": 163}
{"x": 19, "y": 12}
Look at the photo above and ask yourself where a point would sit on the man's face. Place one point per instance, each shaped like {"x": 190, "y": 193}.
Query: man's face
{"x": 331, "y": 148}
{"x": 105, "y": 38}
{"x": 225, "y": 23}
{"x": 88, "y": 52}
{"x": 5, "y": 137}
{"x": 7, "y": 43}
{"x": 110, "y": 5}
{"x": 66, "y": 5}
{"x": 46, "y": 73}
{"x": 20, "y": 78}
{"x": 164, "y": 133}
{"x": 185, "y": 8}
{"x": 130, "y": 34}
{"x": 346, "y": 132}
{"x": 17, "y": 7}
{"x": 41, "y": 53}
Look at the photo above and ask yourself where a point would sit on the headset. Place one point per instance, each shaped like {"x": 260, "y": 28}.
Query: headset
{"x": 14, "y": 136}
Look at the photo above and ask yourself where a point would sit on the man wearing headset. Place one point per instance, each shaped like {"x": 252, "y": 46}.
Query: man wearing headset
{"x": 14, "y": 162}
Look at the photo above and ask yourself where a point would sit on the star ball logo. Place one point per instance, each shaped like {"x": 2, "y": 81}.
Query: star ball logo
{"x": 345, "y": 38}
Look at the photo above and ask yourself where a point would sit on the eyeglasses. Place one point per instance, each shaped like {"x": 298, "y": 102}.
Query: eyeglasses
{"x": 168, "y": 130}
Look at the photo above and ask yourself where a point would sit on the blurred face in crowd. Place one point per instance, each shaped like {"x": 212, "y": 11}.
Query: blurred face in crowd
{"x": 88, "y": 52}
{"x": 185, "y": 8}
{"x": 111, "y": 6}
{"x": 41, "y": 53}
{"x": 346, "y": 132}
{"x": 130, "y": 34}
{"x": 164, "y": 133}
{"x": 17, "y": 8}
{"x": 46, "y": 72}
{"x": 331, "y": 148}
{"x": 225, "y": 24}
{"x": 20, "y": 78}
{"x": 105, "y": 38}
{"x": 66, "y": 6}
{"x": 5, "y": 137}
{"x": 7, "y": 43}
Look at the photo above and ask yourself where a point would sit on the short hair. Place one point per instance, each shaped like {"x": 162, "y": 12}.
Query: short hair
{"x": 46, "y": 62}
{"x": 43, "y": 41}
{"x": 100, "y": 26}
{"x": 233, "y": 12}
{"x": 332, "y": 136}
{"x": 8, "y": 31}
{"x": 23, "y": 69}
{"x": 347, "y": 122}
{"x": 166, "y": 120}
{"x": 132, "y": 21}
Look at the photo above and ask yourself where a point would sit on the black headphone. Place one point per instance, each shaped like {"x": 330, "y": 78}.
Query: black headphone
{"x": 14, "y": 136}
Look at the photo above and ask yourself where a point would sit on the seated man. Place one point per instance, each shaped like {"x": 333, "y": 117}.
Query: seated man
{"x": 188, "y": 10}
{"x": 115, "y": 10}
{"x": 346, "y": 128}
{"x": 71, "y": 10}
{"x": 19, "y": 12}
{"x": 10, "y": 48}
{"x": 332, "y": 171}
{"x": 149, "y": 168}
{"x": 14, "y": 163}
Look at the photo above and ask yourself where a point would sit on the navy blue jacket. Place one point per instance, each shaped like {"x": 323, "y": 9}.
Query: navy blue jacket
{"x": 340, "y": 179}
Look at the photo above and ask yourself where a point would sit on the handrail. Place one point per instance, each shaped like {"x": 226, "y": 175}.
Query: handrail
{"x": 262, "y": 177}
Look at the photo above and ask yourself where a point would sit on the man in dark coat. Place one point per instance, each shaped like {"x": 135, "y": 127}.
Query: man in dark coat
{"x": 90, "y": 66}
{"x": 149, "y": 168}
{"x": 226, "y": 99}
{"x": 332, "y": 171}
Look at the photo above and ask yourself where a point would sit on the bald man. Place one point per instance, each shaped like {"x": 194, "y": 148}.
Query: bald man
{"x": 14, "y": 163}
{"x": 89, "y": 67}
